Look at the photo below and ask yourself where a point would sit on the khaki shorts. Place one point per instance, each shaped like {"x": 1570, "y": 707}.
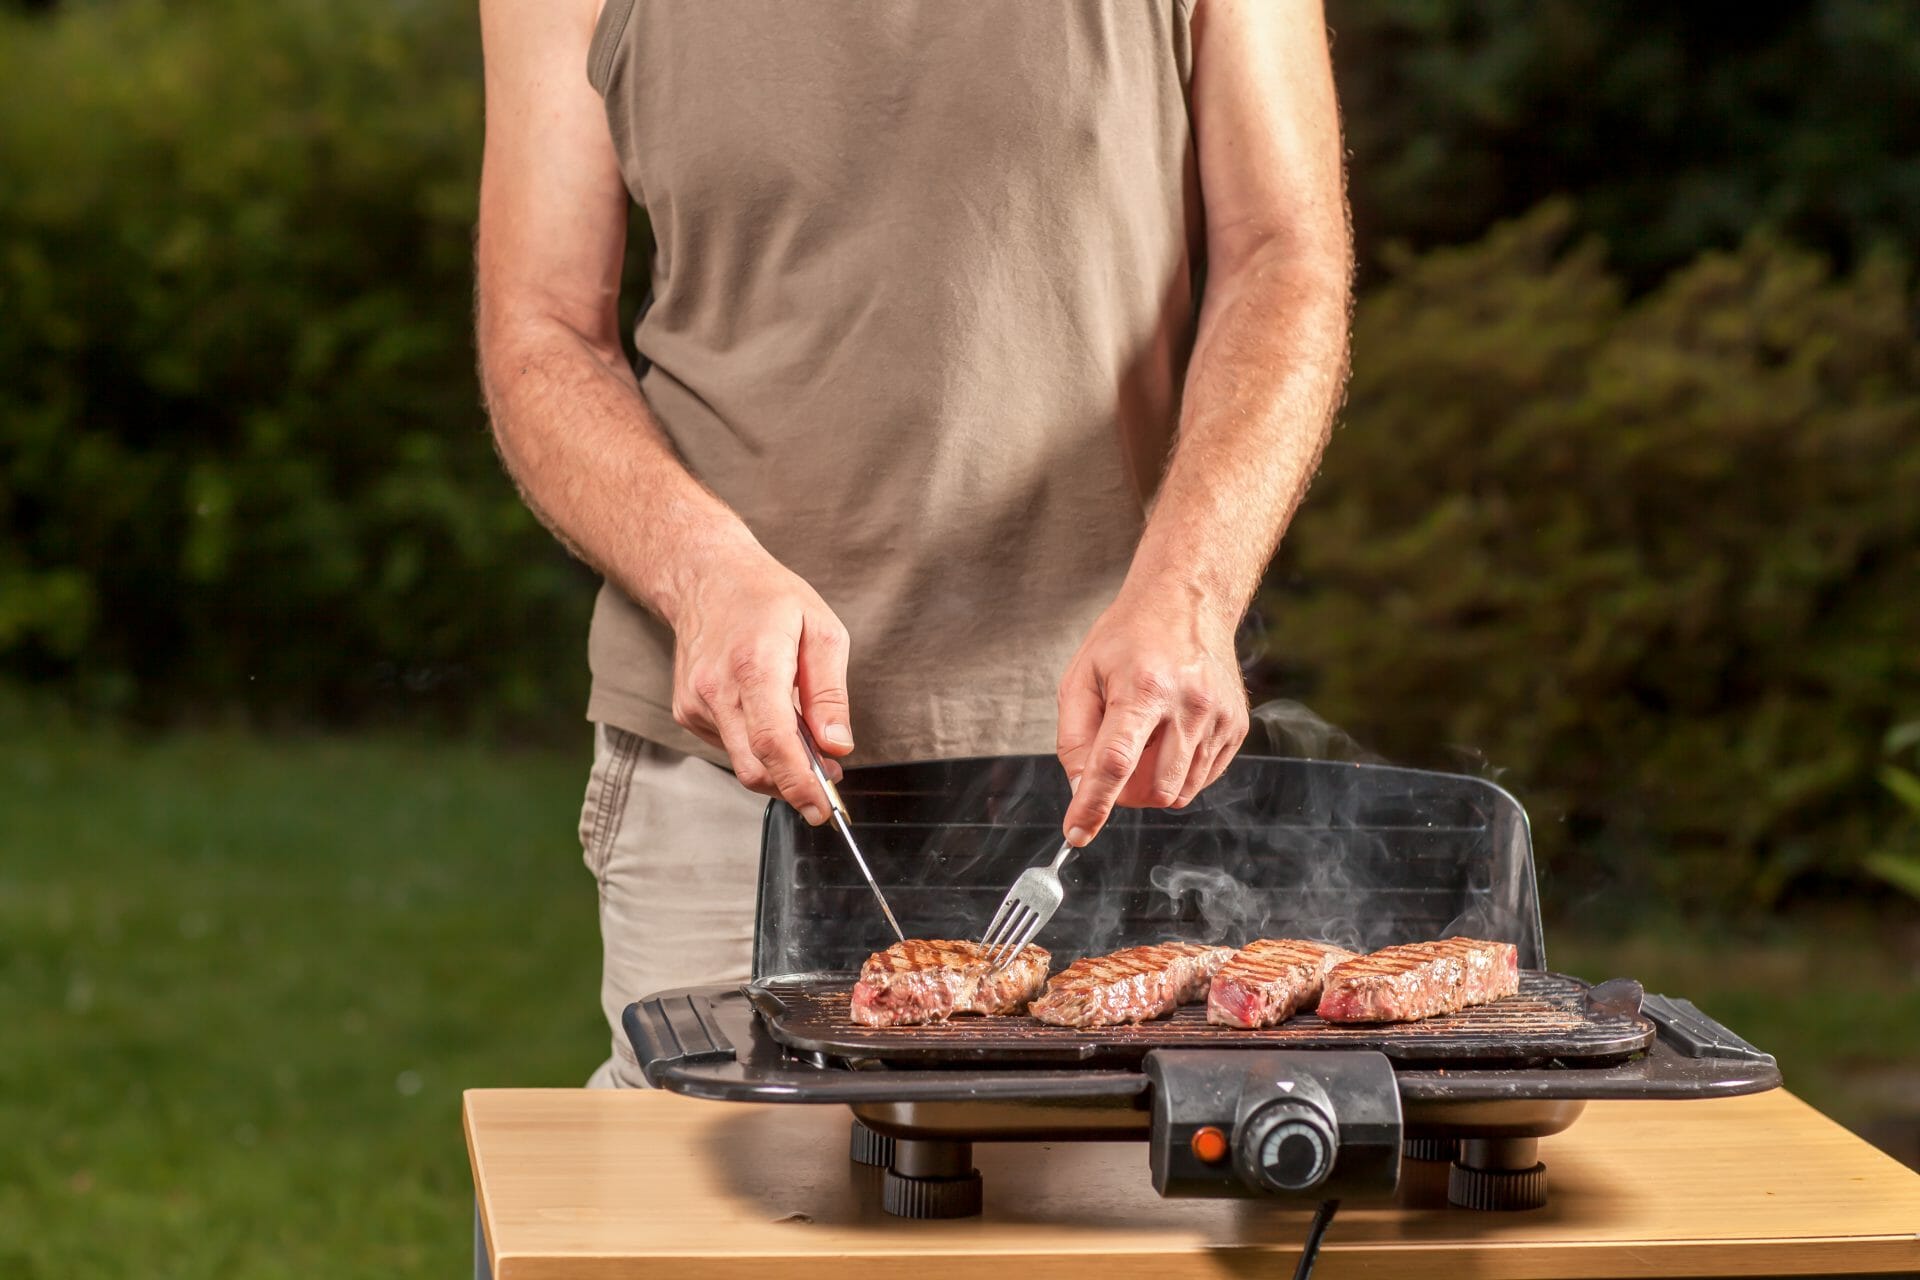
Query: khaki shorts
{"x": 674, "y": 843}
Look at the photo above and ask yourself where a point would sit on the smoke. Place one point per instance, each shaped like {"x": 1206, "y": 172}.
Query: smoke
{"x": 1283, "y": 727}
{"x": 1231, "y": 911}
{"x": 1306, "y": 835}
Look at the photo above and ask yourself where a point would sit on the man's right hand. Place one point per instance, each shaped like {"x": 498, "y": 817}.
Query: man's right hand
{"x": 747, "y": 633}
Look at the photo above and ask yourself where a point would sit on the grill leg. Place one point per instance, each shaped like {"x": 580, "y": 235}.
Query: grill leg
{"x": 931, "y": 1179}
{"x": 867, "y": 1147}
{"x": 1431, "y": 1150}
{"x": 1498, "y": 1173}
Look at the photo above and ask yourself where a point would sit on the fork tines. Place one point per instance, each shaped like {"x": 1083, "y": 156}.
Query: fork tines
{"x": 1014, "y": 926}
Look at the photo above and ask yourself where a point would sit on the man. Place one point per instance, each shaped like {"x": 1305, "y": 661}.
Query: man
{"x": 937, "y": 430}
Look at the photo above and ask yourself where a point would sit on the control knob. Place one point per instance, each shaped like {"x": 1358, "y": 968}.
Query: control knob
{"x": 1286, "y": 1146}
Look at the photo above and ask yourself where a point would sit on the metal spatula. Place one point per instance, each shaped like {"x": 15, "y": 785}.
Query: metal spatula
{"x": 1024, "y": 912}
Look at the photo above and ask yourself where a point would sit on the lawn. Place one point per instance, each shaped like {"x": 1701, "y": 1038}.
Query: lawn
{"x": 242, "y": 983}
{"x": 242, "y": 986}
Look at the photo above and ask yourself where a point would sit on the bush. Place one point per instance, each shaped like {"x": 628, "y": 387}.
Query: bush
{"x": 1656, "y": 560}
{"x": 245, "y": 461}
{"x": 1655, "y": 556}
{"x": 1676, "y": 127}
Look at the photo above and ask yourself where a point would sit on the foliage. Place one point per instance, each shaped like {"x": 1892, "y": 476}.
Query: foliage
{"x": 1655, "y": 558}
{"x": 245, "y": 463}
{"x": 1900, "y": 866}
{"x": 1646, "y": 541}
{"x": 1677, "y": 127}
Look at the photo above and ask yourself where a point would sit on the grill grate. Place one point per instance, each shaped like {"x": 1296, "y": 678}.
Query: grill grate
{"x": 1547, "y": 1020}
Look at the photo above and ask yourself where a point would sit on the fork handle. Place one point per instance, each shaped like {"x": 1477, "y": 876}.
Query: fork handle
{"x": 1060, "y": 858}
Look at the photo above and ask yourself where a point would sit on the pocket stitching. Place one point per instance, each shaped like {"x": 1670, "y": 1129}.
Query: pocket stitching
{"x": 611, "y": 803}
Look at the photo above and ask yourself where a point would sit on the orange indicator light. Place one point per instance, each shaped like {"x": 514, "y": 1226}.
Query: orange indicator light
{"x": 1209, "y": 1145}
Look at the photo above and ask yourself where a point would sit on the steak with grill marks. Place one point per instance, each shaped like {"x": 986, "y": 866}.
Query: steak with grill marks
{"x": 1268, "y": 981}
{"x": 1134, "y": 985}
{"x": 1419, "y": 980}
{"x": 920, "y": 981}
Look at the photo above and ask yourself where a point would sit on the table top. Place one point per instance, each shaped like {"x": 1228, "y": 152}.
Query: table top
{"x": 576, "y": 1184}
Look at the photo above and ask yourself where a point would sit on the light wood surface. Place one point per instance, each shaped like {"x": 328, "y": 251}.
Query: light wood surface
{"x": 575, "y": 1184}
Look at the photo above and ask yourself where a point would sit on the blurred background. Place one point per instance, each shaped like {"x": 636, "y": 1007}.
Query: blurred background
{"x": 1624, "y": 512}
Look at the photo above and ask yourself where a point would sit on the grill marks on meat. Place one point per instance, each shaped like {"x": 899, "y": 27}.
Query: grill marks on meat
{"x": 919, "y": 981}
{"x": 1268, "y": 981}
{"x": 1134, "y": 985}
{"x": 1260, "y": 985}
{"x": 1420, "y": 980}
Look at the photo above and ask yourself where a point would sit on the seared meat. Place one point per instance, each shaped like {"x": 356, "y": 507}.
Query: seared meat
{"x": 1129, "y": 986}
{"x": 918, "y": 981}
{"x": 1268, "y": 981}
{"x": 1419, "y": 980}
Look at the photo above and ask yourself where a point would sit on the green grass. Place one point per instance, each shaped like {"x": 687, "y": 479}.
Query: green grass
{"x": 242, "y": 985}
{"x": 243, "y": 981}
{"x": 1848, "y": 1044}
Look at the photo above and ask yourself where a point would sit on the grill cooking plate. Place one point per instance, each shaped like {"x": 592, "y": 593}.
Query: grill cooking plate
{"x": 1549, "y": 1020}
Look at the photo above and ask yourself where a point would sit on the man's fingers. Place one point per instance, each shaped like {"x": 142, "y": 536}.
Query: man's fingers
{"x": 731, "y": 728}
{"x": 1182, "y": 746}
{"x": 1208, "y": 757}
{"x": 1080, "y": 711}
{"x": 1230, "y": 743}
{"x": 1215, "y": 754}
{"x": 1238, "y": 723}
{"x": 823, "y": 684}
{"x": 1107, "y": 767}
{"x": 1164, "y": 767}
{"x": 694, "y": 716}
{"x": 766, "y": 702}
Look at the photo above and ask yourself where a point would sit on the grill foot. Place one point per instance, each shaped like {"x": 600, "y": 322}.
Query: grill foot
{"x": 931, "y": 1179}
{"x": 867, "y": 1147}
{"x": 1431, "y": 1149}
{"x": 1498, "y": 1174}
{"x": 905, "y": 1197}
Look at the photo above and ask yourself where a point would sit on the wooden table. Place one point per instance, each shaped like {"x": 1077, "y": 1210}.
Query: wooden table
{"x": 577, "y": 1184}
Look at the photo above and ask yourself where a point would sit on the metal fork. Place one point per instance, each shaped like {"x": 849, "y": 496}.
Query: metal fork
{"x": 1024, "y": 912}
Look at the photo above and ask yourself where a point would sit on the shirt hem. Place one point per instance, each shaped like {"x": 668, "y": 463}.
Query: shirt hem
{"x": 1001, "y": 735}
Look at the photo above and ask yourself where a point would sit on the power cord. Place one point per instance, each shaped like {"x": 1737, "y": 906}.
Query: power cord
{"x": 1311, "y": 1250}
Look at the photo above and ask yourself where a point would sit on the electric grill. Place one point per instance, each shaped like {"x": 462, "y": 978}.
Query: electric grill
{"x": 1361, "y": 855}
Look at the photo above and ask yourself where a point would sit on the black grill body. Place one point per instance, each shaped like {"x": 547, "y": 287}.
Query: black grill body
{"x": 1364, "y": 856}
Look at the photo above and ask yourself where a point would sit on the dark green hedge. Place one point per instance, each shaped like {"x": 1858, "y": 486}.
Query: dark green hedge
{"x": 1655, "y": 562}
{"x": 1653, "y": 555}
{"x": 1677, "y": 127}
{"x": 244, "y": 459}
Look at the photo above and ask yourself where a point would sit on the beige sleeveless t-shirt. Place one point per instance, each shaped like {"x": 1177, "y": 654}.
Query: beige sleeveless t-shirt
{"x": 922, "y": 301}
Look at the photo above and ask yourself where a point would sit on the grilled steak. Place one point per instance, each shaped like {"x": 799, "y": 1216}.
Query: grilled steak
{"x": 915, "y": 981}
{"x": 1419, "y": 980}
{"x": 1129, "y": 986}
{"x": 1269, "y": 981}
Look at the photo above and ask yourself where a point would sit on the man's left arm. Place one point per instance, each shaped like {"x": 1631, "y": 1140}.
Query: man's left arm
{"x": 1153, "y": 705}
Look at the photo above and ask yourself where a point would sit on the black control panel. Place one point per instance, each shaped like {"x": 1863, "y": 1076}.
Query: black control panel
{"x": 1273, "y": 1122}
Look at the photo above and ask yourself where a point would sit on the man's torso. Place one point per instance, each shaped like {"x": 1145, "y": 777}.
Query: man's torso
{"x": 923, "y": 296}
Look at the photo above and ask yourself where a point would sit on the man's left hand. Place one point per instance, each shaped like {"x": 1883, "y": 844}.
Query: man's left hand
{"x": 1152, "y": 707}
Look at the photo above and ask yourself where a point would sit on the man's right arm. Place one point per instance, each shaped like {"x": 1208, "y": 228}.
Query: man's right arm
{"x": 579, "y": 440}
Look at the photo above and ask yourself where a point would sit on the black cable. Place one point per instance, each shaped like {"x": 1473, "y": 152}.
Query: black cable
{"x": 1311, "y": 1250}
